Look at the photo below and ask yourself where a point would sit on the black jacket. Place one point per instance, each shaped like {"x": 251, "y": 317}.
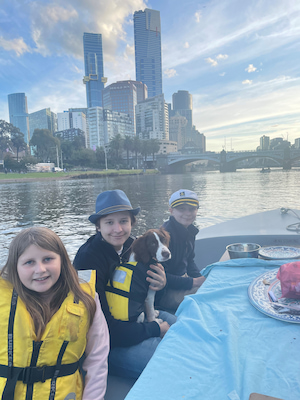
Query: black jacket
{"x": 101, "y": 256}
{"x": 182, "y": 245}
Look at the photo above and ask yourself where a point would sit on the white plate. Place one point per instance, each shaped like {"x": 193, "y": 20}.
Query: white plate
{"x": 259, "y": 298}
{"x": 279, "y": 252}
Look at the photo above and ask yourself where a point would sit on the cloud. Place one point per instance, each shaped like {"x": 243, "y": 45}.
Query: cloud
{"x": 247, "y": 82}
{"x": 170, "y": 72}
{"x": 222, "y": 74}
{"x": 209, "y": 60}
{"x": 250, "y": 68}
{"x": 57, "y": 27}
{"x": 186, "y": 45}
{"x": 17, "y": 45}
{"x": 197, "y": 16}
{"x": 222, "y": 57}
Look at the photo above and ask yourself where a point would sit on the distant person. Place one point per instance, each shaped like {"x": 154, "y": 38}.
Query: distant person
{"x": 183, "y": 276}
{"x": 132, "y": 343}
{"x": 50, "y": 324}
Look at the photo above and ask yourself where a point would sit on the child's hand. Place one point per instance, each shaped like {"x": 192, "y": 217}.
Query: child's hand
{"x": 197, "y": 282}
{"x": 157, "y": 277}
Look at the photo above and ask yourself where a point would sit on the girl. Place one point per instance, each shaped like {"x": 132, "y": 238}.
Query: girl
{"x": 51, "y": 321}
{"x": 132, "y": 343}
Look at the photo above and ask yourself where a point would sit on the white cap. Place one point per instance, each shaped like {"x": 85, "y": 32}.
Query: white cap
{"x": 184, "y": 196}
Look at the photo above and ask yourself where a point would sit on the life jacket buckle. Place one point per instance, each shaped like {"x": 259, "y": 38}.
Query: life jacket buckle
{"x": 33, "y": 374}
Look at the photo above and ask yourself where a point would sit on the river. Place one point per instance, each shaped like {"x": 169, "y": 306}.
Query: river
{"x": 64, "y": 206}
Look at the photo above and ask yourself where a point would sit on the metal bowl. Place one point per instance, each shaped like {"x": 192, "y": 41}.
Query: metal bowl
{"x": 243, "y": 250}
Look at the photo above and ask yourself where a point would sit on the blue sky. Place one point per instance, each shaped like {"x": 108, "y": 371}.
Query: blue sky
{"x": 239, "y": 59}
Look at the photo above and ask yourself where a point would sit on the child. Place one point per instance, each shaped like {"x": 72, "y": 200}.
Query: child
{"x": 183, "y": 276}
{"x": 132, "y": 343}
{"x": 48, "y": 321}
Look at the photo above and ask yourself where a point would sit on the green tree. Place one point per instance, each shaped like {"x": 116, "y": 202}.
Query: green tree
{"x": 136, "y": 147}
{"x": 44, "y": 145}
{"x": 18, "y": 142}
{"x": 128, "y": 146}
{"x": 145, "y": 149}
{"x": 115, "y": 147}
{"x": 154, "y": 147}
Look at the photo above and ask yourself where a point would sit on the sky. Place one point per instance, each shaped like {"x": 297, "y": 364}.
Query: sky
{"x": 240, "y": 60}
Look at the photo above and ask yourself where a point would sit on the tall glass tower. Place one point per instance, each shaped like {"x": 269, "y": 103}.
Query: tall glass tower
{"x": 93, "y": 64}
{"x": 147, "y": 43}
{"x": 18, "y": 113}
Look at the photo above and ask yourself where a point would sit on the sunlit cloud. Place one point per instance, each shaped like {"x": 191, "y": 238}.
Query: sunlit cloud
{"x": 170, "y": 72}
{"x": 247, "y": 82}
{"x": 17, "y": 45}
{"x": 222, "y": 74}
{"x": 197, "y": 16}
{"x": 209, "y": 60}
{"x": 186, "y": 45}
{"x": 222, "y": 57}
{"x": 250, "y": 68}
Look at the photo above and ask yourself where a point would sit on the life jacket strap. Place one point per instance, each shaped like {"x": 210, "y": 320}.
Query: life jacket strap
{"x": 30, "y": 375}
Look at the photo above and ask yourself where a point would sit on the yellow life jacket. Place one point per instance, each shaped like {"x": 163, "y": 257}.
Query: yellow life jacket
{"x": 46, "y": 369}
{"x": 127, "y": 293}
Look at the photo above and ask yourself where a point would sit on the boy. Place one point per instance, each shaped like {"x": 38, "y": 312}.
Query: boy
{"x": 183, "y": 276}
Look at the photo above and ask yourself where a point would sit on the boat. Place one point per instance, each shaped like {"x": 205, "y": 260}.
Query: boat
{"x": 265, "y": 170}
{"x": 202, "y": 329}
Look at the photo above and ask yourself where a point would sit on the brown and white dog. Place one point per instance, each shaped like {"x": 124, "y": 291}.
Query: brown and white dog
{"x": 151, "y": 245}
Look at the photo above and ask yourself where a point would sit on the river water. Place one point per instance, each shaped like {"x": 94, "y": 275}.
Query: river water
{"x": 64, "y": 206}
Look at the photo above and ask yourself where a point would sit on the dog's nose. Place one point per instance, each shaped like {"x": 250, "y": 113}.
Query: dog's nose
{"x": 165, "y": 254}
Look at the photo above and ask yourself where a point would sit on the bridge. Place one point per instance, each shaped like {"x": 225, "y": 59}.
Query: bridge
{"x": 227, "y": 161}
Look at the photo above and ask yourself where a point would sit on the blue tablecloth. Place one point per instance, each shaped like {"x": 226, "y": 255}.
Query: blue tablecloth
{"x": 222, "y": 347}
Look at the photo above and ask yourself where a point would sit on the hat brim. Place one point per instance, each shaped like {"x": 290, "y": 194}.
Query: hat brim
{"x": 190, "y": 202}
{"x": 94, "y": 217}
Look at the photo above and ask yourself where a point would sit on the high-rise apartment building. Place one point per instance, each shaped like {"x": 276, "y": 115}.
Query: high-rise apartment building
{"x": 18, "y": 113}
{"x": 42, "y": 119}
{"x": 68, "y": 120}
{"x": 264, "y": 142}
{"x": 93, "y": 65}
{"x": 183, "y": 105}
{"x": 105, "y": 124}
{"x": 123, "y": 96}
{"x": 147, "y": 43}
{"x": 177, "y": 130}
{"x": 152, "y": 118}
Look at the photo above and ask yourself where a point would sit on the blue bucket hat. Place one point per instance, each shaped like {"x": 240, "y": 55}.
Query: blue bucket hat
{"x": 110, "y": 202}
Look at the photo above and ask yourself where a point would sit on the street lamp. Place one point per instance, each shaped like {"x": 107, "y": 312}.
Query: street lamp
{"x": 105, "y": 156}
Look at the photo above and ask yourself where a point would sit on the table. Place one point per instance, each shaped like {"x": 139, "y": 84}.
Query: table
{"x": 221, "y": 347}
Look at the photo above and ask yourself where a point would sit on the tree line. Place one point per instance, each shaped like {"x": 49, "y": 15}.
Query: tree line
{"x": 120, "y": 152}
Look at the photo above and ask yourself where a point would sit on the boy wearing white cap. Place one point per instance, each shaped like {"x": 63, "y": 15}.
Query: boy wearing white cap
{"x": 183, "y": 276}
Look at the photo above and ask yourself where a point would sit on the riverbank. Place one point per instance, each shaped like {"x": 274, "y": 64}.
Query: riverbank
{"x": 42, "y": 176}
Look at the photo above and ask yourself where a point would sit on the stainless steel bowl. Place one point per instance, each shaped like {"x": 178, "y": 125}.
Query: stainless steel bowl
{"x": 243, "y": 250}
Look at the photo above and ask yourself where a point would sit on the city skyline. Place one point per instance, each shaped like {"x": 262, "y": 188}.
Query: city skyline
{"x": 238, "y": 61}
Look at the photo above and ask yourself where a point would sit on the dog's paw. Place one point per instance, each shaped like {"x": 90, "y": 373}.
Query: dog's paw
{"x": 156, "y": 313}
{"x": 141, "y": 318}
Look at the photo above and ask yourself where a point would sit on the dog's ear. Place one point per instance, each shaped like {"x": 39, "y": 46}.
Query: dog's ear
{"x": 165, "y": 235}
{"x": 140, "y": 250}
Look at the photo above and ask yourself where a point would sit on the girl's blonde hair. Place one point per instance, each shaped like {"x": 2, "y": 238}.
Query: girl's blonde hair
{"x": 41, "y": 311}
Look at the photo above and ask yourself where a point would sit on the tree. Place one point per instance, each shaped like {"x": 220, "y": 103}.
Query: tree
{"x": 128, "y": 146}
{"x": 115, "y": 146}
{"x": 154, "y": 147}
{"x": 17, "y": 139}
{"x": 11, "y": 136}
{"x": 45, "y": 144}
{"x": 136, "y": 147}
{"x": 145, "y": 149}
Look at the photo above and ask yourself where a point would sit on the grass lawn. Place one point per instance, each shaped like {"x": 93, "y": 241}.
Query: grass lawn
{"x": 73, "y": 174}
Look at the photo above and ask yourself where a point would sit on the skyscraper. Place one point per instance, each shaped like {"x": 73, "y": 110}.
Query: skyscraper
{"x": 183, "y": 105}
{"x": 93, "y": 64}
{"x": 147, "y": 43}
{"x": 123, "y": 96}
{"x": 18, "y": 113}
{"x": 42, "y": 119}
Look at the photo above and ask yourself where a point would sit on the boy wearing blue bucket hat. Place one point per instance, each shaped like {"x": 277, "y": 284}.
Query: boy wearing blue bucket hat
{"x": 132, "y": 343}
{"x": 183, "y": 276}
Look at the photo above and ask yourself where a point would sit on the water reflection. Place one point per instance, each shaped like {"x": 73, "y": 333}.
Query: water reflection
{"x": 64, "y": 206}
